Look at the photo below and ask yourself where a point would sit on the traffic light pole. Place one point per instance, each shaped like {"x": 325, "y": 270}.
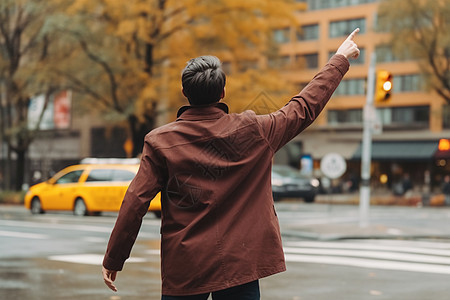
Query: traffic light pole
{"x": 366, "y": 156}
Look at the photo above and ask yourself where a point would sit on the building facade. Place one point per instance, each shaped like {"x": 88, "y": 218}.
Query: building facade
{"x": 410, "y": 125}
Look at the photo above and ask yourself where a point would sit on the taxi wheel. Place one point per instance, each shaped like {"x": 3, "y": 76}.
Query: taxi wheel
{"x": 36, "y": 207}
{"x": 79, "y": 208}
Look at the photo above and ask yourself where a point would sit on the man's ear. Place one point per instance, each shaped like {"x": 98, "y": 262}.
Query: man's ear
{"x": 223, "y": 94}
{"x": 184, "y": 94}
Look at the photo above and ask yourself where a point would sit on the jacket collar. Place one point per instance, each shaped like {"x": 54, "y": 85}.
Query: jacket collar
{"x": 202, "y": 112}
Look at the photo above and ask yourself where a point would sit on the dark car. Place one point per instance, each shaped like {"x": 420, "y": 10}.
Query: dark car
{"x": 288, "y": 182}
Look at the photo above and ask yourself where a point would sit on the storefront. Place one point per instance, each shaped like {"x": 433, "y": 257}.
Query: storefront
{"x": 419, "y": 162}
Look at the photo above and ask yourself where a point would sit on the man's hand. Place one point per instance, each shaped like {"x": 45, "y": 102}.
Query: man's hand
{"x": 109, "y": 276}
{"x": 349, "y": 48}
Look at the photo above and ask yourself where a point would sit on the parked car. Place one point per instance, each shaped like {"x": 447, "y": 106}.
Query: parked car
{"x": 288, "y": 182}
{"x": 86, "y": 189}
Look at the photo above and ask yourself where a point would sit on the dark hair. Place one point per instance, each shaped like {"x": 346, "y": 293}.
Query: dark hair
{"x": 203, "y": 80}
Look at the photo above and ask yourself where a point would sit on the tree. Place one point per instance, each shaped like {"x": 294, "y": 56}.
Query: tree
{"x": 133, "y": 51}
{"x": 28, "y": 49}
{"x": 421, "y": 30}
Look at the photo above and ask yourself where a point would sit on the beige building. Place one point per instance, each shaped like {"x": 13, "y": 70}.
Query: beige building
{"x": 413, "y": 121}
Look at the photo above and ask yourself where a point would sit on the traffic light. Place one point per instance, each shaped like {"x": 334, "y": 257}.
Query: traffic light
{"x": 383, "y": 86}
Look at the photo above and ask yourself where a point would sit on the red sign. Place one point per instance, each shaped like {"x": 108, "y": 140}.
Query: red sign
{"x": 62, "y": 108}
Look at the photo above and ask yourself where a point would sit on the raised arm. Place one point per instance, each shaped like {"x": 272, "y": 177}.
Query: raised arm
{"x": 283, "y": 125}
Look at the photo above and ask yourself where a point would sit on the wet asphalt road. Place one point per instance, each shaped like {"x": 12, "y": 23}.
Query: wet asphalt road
{"x": 58, "y": 256}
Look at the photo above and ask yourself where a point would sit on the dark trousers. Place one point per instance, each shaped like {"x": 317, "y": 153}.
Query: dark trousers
{"x": 248, "y": 291}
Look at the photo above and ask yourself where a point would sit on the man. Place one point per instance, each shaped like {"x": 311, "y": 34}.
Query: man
{"x": 219, "y": 229}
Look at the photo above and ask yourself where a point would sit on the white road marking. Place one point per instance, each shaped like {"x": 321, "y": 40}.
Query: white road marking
{"x": 24, "y": 235}
{"x": 371, "y": 254}
{"x": 92, "y": 239}
{"x": 153, "y": 251}
{"x": 369, "y": 263}
{"x": 369, "y": 246}
{"x": 89, "y": 259}
{"x": 70, "y": 227}
{"x": 411, "y": 256}
{"x": 56, "y": 226}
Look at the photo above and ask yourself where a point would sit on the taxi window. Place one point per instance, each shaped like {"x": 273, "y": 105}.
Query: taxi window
{"x": 100, "y": 175}
{"x": 123, "y": 175}
{"x": 70, "y": 177}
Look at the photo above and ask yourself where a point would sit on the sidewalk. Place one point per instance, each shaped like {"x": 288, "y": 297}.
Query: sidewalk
{"x": 331, "y": 232}
{"x": 382, "y": 199}
{"x": 375, "y": 229}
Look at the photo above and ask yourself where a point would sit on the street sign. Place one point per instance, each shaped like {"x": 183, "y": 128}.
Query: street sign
{"x": 333, "y": 165}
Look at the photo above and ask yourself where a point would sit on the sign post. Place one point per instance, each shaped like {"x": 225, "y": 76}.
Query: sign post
{"x": 369, "y": 116}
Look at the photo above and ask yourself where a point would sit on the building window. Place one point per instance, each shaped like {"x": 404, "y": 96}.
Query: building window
{"x": 415, "y": 116}
{"x": 281, "y": 36}
{"x": 446, "y": 116}
{"x": 246, "y": 65}
{"x": 385, "y": 54}
{"x": 310, "y": 61}
{"x": 344, "y": 28}
{"x": 326, "y": 4}
{"x": 348, "y": 116}
{"x": 108, "y": 142}
{"x": 279, "y": 62}
{"x": 308, "y": 33}
{"x": 411, "y": 115}
{"x": 351, "y": 87}
{"x": 407, "y": 83}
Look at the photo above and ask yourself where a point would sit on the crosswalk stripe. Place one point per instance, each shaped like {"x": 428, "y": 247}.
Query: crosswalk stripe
{"x": 369, "y": 263}
{"x": 89, "y": 259}
{"x": 25, "y": 235}
{"x": 410, "y": 256}
{"x": 371, "y": 254}
{"x": 70, "y": 227}
{"x": 368, "y": 246}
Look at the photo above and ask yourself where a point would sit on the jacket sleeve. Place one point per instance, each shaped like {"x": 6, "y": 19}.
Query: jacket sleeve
{"x": 143, "y": 188}
{"x": 283, "y": 125}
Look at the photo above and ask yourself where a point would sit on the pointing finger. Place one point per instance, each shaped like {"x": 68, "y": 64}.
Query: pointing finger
{"x": 352, "y": 35}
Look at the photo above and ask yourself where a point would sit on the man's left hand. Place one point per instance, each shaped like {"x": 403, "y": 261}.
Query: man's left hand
{"x": 109, "y": 276}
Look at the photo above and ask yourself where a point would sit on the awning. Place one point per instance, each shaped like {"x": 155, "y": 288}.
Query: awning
{"x": 319, "y": 148}
{"x": 402, "y": 150}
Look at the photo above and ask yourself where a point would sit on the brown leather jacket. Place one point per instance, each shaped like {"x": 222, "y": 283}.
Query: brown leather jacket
{"x": 219, "y": 226}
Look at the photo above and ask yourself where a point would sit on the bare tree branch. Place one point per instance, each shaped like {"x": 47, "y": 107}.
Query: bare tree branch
{"x": 110, "y": 73}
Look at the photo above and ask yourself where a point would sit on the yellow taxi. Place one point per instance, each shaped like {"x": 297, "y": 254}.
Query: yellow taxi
{"x": 86, "y": 189}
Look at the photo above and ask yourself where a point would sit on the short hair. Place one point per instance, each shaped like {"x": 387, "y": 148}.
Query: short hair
{"x": 203, "y": 80}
